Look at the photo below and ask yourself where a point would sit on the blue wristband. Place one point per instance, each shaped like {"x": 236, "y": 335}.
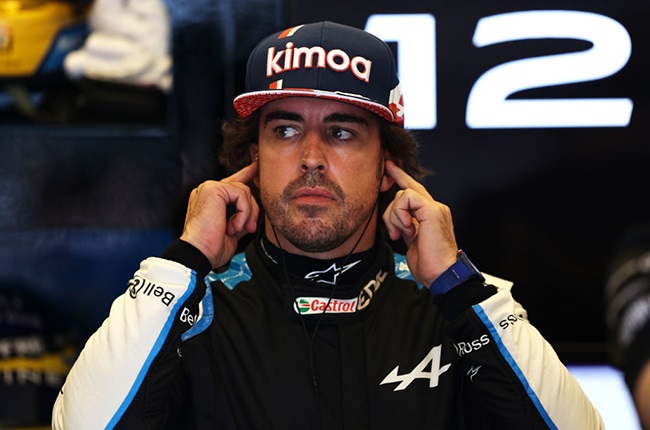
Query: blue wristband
{"x": 456, "y": 274}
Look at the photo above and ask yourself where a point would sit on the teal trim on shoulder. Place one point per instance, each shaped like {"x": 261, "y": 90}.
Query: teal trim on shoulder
{"x": 237, "y": 272}
{"x": 402, "y": 270}
{"x": 206, "y": 317}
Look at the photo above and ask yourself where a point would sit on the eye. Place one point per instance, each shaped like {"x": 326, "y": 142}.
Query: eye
{"x": 341, "y": 133}
{"x": 285, "y": 131}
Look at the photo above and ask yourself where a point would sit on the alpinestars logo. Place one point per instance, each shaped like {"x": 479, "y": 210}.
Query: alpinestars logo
{"x": 473, "y": 371}
{"x": 331, "y": 274}
{"x": 432, "y": 360}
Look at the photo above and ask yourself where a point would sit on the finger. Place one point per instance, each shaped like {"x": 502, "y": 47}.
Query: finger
{"x": 398, "y": 218}
{"x": 245, "y": 175}
{"x": 246, "y": 209}
{"x": 190, "y": 203}
{"x": 401, "y": 215}
{"x": 403, "y": 221}
{"x": 403, "y": 179}
{"x": 393, "y": 232}
{"x": 250, "y": 222}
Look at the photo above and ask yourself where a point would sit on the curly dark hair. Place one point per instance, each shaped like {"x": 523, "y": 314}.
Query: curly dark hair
{"x": 240, "y": 133}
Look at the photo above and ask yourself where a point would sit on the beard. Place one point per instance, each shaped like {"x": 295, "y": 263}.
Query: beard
{"x": 314, "y": 228}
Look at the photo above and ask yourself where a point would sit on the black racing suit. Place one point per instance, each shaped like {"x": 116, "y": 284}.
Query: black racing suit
{"x": 247, "y": 349}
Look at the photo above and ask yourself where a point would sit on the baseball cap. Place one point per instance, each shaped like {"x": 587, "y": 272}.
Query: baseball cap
{"x": 324, "y": 60}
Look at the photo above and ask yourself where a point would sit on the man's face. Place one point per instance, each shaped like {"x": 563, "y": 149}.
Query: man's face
{"x": 320, "y": 169}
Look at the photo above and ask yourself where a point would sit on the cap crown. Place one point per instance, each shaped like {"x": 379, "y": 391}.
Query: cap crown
{"x": 325, "y": 60}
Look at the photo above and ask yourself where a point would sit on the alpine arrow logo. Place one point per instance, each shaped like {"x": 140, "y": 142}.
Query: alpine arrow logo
{"x": 432, "y": 360}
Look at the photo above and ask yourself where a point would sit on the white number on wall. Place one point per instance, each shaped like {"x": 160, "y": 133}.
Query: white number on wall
{"x": 416, "y": 53}
{"x": 488, "y": 105}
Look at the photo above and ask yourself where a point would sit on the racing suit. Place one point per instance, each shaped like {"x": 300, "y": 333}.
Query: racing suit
{"x": 252, "y": 347}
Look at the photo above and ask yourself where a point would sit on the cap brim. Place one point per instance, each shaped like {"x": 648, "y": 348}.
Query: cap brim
{"x": 247, "y": 103}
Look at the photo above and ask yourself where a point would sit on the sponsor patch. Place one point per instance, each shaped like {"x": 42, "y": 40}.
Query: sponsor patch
{"x": 429, "y": 368}
{"x": 463, "y": 348}
{"x": 369, "y": 290}
{"x": 138, "y": 286}
{"x": 331, "y": 274}
{"x": 319, "y": 305}
{"x": 294, "y": 58}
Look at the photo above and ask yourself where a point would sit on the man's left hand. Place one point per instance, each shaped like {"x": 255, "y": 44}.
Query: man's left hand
{"x": 425, "y": 225}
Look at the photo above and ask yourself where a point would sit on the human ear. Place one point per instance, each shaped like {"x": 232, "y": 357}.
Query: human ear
{"x": 253, "y": 150}
{"x": 386, "y": 181}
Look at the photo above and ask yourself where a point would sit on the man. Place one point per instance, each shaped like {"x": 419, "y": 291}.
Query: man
{"x": 318, "y": 324}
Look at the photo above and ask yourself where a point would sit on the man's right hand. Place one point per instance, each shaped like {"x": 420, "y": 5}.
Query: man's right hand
{"x": 206, "y": 226}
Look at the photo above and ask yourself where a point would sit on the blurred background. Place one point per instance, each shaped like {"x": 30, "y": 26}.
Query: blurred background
{"x": 532, "y": 118}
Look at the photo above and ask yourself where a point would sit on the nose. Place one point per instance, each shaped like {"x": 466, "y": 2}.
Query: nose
{"x": 313, "y": 158}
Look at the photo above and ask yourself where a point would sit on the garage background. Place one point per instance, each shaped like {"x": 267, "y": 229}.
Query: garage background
{"x": 86, "y": 196}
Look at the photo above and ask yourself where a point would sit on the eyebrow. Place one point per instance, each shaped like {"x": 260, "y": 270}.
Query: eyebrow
{"x": 335, "y": 117}
{"x": 281, "y": 114}
{"x": 344, "y": 117}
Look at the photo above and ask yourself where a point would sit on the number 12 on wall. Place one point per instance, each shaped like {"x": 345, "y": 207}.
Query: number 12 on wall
{"x": 488, "y": 105}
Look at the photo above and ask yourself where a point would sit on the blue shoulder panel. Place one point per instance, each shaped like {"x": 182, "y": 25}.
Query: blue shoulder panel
{"x": 237, "y": 272}
{"x": 206, "y": 315}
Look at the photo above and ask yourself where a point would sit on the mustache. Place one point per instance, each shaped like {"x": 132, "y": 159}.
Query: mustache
{"x": 312, "y": 180}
